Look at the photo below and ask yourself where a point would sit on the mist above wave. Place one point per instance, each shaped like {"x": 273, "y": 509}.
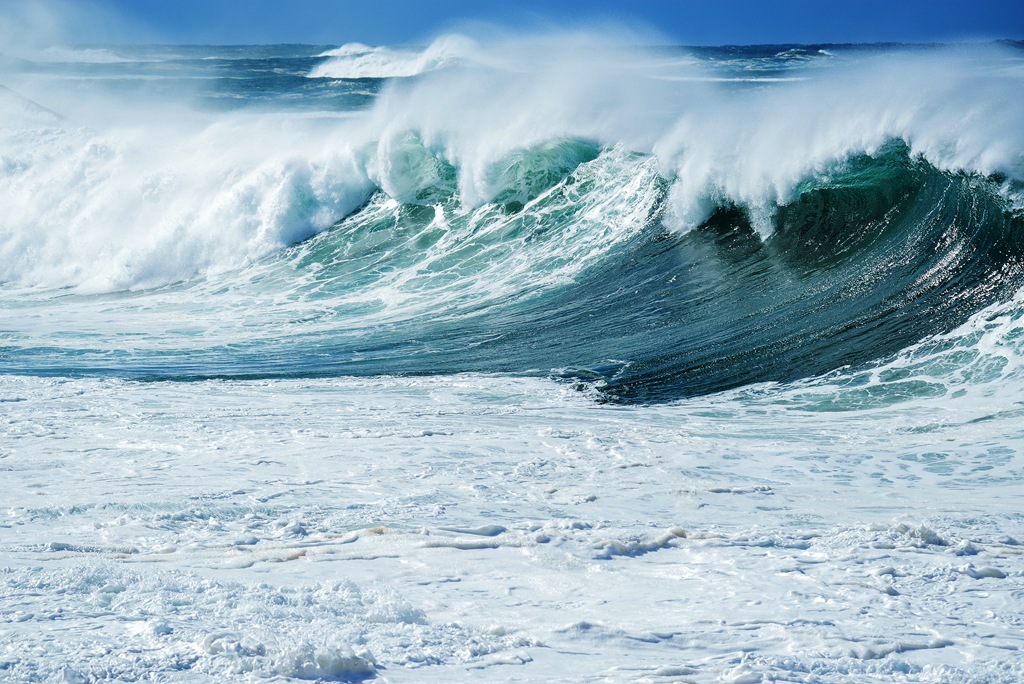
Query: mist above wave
{"x": 719, "y": 143}
{"x": 121, "y": 191}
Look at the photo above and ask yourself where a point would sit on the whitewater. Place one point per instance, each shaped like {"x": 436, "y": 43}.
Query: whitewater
{"x": 549, "y": 358}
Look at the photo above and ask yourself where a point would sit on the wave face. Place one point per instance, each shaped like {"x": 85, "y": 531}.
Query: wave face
{"x": 652, "y": 224}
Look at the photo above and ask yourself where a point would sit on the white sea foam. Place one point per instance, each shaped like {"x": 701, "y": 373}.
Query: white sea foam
{"x": 149, "y": 204}
{"x": 514, "y": 529}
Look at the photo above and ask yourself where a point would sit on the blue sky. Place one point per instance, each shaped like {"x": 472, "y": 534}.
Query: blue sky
{"x": 693, "y": 22}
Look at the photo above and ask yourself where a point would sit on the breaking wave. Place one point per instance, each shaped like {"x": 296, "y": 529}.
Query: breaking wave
{"x": 619, "y": 217}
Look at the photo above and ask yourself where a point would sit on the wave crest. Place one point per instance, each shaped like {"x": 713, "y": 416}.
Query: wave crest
{"x": 355, "y": 60}
{"x": 125, "y": 208}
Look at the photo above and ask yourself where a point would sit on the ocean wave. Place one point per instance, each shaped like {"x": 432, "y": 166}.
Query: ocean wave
{"x": 579, "y": 276}
{"x": 355, "y": 60}
{"x": 863, "y": 262}
{"x": 580, "y": 216}
{"x": 140, "y": 215}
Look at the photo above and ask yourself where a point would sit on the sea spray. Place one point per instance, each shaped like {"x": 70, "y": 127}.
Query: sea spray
{"x": 127, "y": 211}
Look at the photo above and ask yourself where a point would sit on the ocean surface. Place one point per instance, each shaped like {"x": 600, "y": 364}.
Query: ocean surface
{"x": 545, "y": 359}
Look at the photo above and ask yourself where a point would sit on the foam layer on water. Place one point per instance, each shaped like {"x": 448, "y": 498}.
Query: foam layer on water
{"x": 515, "y": 530}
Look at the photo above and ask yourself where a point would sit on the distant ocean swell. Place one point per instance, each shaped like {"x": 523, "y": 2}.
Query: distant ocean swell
{"x": 634, "y": 226}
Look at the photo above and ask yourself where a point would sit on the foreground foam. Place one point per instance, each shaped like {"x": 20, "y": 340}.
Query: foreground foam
{"x": 516, "y": 530}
